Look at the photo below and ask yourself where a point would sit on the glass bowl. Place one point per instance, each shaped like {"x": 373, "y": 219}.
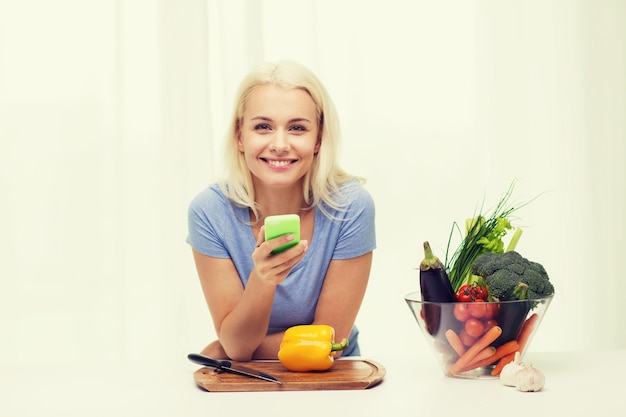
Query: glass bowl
{"x": 454, "y": 329}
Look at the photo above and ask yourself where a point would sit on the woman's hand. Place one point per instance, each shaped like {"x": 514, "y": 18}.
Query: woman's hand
{"x": 272, "y": 269}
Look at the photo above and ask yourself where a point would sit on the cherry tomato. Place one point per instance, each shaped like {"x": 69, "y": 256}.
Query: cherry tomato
{"x": 481, "y": 293}
{"x": 478, "y": 309}
{"x": 464, "y": 294}
{"x": 461, "y": 312}
{"x": 492, "y": 310}
{"x": 466, "y": 339}
{"x": 474, "y": 327}
{"x": 471, "y": 292}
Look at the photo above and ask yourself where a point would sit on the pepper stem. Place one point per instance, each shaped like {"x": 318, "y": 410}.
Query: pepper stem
{"x": 339, "y": 346}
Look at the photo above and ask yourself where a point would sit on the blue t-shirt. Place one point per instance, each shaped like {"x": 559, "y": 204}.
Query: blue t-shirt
{"x": 219, "y": 229}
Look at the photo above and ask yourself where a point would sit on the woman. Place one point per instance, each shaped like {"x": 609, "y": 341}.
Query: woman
{"x": 282, "y": 158}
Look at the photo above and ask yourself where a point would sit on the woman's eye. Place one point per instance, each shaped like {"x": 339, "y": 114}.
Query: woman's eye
{"x": 298, "y": 128}
{"x": 262, "y": 126}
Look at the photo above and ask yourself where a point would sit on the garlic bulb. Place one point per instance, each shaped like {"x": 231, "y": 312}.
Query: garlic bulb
{"x": 507, "y": 375}
{"x": 529, "y": 379}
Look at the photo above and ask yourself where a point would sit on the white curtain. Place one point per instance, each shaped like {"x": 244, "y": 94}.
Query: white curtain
{"x": 112, "y": 117}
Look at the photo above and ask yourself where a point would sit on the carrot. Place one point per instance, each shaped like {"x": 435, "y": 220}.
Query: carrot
{"x": 522, "y": 339}
{"x": 502, "y": 350}
{"x": 455, "y": 342}
{"x": 506, "y": 359}
{"x": 485, "y": 340}
{"x": 481, "y": 356}
{"x": 525, "y": 331}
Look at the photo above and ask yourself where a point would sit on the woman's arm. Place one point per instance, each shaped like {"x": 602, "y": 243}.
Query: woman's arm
{"x": 339, "y": 303}
{"x": 267, "y": 350}
{"x": 241, "y": 316}
{"x": 237, "y": 318}
{"x": 338, "y": 306}
{"x": 342, "y": 294}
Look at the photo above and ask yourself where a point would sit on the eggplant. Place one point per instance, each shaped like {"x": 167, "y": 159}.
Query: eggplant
{"x": 435, "y": 287}
{"x": 510, "y": 318}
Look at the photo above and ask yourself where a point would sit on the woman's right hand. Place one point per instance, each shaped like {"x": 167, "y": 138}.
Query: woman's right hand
{"x": 272, "y": 269}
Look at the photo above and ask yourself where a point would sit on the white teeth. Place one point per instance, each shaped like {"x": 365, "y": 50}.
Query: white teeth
{"x": 278, "y": 163}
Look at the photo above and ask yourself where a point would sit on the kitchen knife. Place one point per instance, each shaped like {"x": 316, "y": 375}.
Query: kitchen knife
{"x": 227, "y": 366}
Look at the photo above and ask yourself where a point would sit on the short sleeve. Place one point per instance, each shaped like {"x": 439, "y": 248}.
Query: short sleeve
{"x": 357, "y": 235}
{"x": 204, "y": 235}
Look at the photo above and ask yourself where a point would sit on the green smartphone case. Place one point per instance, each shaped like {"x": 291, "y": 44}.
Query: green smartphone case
{"x": 281, "y": 225}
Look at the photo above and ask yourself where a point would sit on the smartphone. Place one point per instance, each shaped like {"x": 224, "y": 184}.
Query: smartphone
{"x": 283, "y": 224}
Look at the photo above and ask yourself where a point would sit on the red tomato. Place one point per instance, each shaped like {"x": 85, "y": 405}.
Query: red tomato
{"x": 464, "y": 294}
{"x": 461, "y": 312}
{"x": 481, "y": 293}
{"x": 492, "y": 310}
{"x": 474, "y": 327}
{"x": 472, "y": 292}
{"x": 478, "y": 309}
{"x": 466, "y": 339}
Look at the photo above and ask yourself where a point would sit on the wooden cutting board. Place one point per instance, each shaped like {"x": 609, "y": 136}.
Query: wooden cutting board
{"x": 346, "y": 374}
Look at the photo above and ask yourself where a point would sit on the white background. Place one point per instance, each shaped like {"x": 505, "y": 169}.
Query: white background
{"x": 112, "y": 115}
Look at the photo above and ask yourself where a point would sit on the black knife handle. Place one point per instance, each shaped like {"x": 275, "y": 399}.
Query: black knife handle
{"x": 206, "y": 361}
{"x": 227, "y": 366}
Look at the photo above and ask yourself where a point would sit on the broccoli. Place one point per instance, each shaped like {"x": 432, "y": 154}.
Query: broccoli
{"x": 509, "y": 276}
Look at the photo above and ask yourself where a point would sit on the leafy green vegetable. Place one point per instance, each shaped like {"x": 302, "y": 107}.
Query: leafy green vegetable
{"x": 510, "y": 276}
{"x": 483, "y": 234}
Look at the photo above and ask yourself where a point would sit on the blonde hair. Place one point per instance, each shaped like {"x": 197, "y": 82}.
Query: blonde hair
{"x": 322, "y": 184}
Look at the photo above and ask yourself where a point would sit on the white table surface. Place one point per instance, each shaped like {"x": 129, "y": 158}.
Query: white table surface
{"x": 585, "y": 383}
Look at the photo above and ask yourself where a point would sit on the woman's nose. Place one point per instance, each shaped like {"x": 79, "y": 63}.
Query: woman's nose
{"x": 280, "y": 141}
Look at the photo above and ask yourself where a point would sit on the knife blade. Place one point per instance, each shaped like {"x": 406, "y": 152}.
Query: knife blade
{"x": 227, "y": 366}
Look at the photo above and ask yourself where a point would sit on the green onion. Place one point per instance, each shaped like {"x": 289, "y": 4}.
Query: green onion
{"x": 484, "y": 234}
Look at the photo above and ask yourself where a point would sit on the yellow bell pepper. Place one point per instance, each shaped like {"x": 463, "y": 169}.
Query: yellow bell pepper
{"x": 309, "y": 348}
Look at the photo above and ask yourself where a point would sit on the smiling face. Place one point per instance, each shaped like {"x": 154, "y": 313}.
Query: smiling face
{"x": 278, "y": 136}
